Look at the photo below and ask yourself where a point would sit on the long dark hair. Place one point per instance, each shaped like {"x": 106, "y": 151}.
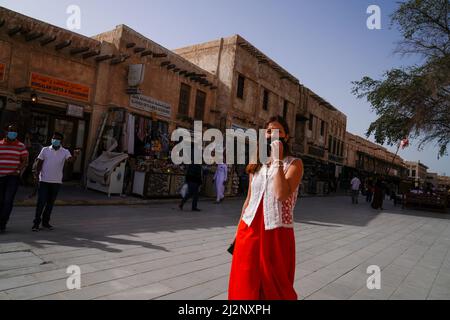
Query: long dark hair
{"x": 254, "y": 168}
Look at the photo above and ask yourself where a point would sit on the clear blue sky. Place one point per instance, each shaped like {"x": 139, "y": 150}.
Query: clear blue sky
{"x": 324, "y": 43}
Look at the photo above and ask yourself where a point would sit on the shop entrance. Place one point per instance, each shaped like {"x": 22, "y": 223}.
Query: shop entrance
{"x": 38, "y": 122}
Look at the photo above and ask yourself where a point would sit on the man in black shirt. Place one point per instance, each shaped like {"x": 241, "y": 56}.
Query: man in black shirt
{"x": 194, "y": 181}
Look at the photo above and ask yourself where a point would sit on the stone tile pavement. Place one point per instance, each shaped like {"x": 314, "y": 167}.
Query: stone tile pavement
{"x": 154, "y": 251}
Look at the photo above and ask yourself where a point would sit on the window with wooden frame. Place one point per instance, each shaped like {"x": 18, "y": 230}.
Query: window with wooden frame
{"x": 185, "y": 97}
{"x": 266, "y": 100}
{"x": 240, "y": 86}
{"x": 200, "y": 101}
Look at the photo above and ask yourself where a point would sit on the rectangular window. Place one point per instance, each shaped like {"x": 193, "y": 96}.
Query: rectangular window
{"x": 322, "y": 128}
{"x": 185, "y": 96}
{"x": 266, "y": 100}
{"x": 334, "y": 146}
{"x": 330, "y": 144}
{"x": 200, "y": 101}
{"x": 285, "y": 109}
{"x": 240, "y": 87}
{"x": 414, "y": 173}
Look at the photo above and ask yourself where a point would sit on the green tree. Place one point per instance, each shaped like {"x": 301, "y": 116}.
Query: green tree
{"x": 414, "y": 101}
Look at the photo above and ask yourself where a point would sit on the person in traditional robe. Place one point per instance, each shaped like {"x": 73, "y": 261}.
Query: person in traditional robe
{"x": 220, "y": 180}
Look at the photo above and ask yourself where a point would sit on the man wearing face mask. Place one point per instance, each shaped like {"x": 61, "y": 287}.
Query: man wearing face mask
{"x": 49, "y": 169}
{"x": 13, "y": 160}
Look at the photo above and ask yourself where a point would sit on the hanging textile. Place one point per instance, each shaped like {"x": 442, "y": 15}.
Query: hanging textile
{"x": 130, "y": 133}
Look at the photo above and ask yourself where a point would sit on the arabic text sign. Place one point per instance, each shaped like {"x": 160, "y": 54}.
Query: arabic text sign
{"x": 149, "y": 104}
{"x": 59, "y": 87}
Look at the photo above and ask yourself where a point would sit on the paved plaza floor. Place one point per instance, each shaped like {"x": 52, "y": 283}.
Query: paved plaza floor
{"x": 157, "y": 252}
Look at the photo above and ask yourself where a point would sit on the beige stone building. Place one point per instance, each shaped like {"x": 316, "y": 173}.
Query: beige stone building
{"x": 170, "y": 92}
{"x": 370, "y": 158}
{"x": 251, "y": 87}
{"x": 417, "y": 171}
{"x": 444, "y": 182}
{"x": 118, "y": 85}
{"x": 321, "y": 139}
{"x": 122, "y": 85}
{"x": 48, "y": 82}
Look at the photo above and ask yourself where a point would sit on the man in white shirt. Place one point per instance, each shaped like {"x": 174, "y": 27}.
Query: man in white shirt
{"x": 356, "y": 184}
{"x": 50, "y": 166}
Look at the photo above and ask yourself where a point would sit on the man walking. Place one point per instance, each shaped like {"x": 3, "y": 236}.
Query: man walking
{"x": 13, "y": 160}
{"x": 49, "y": 169}
{"x": 194, "y": 180}
{"x": 356, "y": 184}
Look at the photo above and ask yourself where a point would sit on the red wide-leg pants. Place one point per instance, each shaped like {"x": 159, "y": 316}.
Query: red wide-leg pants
{"x": 263, "y": 266}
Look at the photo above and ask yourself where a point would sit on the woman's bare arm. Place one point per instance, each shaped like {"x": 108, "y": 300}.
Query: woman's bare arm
{"x": 286, "y": 184}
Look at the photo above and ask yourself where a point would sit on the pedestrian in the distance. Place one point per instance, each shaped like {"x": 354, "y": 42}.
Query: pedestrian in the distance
{"x": 13, "y": 160}
{"x": 49, "y": 171}
{"x": 378, "y": 196}
{"x": 369, "y": 194}
{"x": 194, "y": 179}
{"x": 355, "y": 184}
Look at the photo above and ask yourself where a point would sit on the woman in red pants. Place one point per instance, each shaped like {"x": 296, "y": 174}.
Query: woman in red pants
{"x": 263, "y": 266}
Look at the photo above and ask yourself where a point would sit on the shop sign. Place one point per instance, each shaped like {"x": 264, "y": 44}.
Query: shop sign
{"x": 59, "y": 87}
{"x": 150, "y": 105}
{"x": 75, "y": 111}
{"x": 2, "y": 71}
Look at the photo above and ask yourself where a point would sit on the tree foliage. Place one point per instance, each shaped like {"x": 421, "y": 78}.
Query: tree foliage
{"x": 414, "y": 101}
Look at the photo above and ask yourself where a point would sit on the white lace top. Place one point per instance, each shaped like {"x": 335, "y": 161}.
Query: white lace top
{"x": 277, "y": 214}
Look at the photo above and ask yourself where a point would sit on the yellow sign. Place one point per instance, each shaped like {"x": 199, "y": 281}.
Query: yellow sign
{"x": 59, "y": 87}
{"x": 2, "y": 71}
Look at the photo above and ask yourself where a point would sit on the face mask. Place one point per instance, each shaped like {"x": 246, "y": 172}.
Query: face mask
{"x": 12, "y": 135}
{"x": 56, "y": 143}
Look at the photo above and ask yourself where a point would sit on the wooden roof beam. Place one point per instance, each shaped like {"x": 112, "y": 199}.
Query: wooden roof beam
{"x": 138, "y": 49}
{"x": 146, "y": 53}
{"x": 47, "y": 40}
{"x": 75, "y": 51}
{"x": 34, "y": 36}
{"x": 14, "y": 30}
{"x": 120, "y": 59}
{"x": 104, "y": 57}
{"x": 165, "y": 63}
{"x": 90, "y": 54}
{"x": 130, "y": 45}
{"x": 160, "y": 55}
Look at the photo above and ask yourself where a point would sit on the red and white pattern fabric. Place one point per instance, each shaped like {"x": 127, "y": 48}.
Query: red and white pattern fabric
{"x": 277, "y": 214}
{"x": 11, "y": 154}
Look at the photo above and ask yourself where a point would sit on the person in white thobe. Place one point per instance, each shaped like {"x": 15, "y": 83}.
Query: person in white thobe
{"x": 220, "y": 178}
